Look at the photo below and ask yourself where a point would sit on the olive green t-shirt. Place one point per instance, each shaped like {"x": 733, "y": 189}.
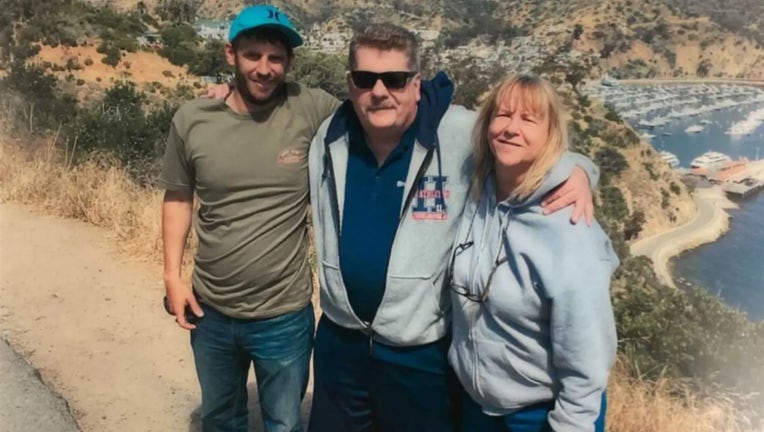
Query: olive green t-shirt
{"x": 250, "y": 174}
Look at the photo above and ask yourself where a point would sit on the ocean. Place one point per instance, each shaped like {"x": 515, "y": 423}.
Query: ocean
{"x": 733, "y": 266}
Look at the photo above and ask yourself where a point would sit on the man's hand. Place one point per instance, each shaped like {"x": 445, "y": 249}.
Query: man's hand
{"x": 574, "y": 191}
{"x": 179, "y": 295}
{"x": 219, "y": 91}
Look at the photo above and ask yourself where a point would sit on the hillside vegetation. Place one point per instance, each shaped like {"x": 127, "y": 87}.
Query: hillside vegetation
{"x": 633, "y": 39}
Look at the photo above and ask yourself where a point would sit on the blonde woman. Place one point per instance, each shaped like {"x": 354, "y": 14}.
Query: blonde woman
{"x": 534, "y": 334}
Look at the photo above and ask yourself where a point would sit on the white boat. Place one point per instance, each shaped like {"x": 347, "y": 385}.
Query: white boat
{"x": 705, "y": 122}
{"x": 745, "y": 127}
{"x": 609, "y": 82}
{"x": 694, "y": 129}
{"x": 749, "y": 125}
{"x": 670, "y": 159}
{"x": 710, "y": 160}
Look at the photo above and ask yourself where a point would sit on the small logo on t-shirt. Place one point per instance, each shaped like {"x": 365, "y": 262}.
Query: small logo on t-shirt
{"x": 429, "y": 201}
{"x": 292, "y": 156}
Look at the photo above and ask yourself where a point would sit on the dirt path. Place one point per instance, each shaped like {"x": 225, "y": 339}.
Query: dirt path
{"x": 92, "y": 324}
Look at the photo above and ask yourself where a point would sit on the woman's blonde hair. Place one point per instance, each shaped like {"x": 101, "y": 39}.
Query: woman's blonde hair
{"x": 536, "y": 95}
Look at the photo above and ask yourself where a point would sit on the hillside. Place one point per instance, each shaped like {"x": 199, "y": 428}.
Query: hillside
{"x": 659, "y": 38}
{"x": 83, "y": 72}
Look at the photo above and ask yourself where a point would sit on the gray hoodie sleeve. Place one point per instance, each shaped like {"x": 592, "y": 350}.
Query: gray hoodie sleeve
{"x": 315, "y": 172}
{"x": 586, "y": 164}
{"x": 583, "y": 333}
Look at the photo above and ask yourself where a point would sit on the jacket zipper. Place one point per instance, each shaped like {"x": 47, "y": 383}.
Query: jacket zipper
{"x": 336, "y": 214}
{"x": 420, "y": 173}
{"x": 333, "y": 193}
{"x": 412, "y": 192}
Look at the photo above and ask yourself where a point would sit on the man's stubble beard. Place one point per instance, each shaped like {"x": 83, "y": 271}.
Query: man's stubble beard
{"x": 240, "y": 82}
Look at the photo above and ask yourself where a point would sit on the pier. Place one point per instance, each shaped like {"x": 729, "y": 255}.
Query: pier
{"x": 739, "y": 179}
{"x": 744, "y": 188}
{"x": 746, "y": 182}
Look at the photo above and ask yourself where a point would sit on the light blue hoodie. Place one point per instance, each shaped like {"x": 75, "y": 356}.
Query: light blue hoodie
{"x": 546, "y": 331}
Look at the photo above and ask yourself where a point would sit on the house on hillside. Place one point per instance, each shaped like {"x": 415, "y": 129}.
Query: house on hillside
{"x": 150, "y": 39}
{"x": 217, "y": 79}
{"x": 212, "y": 28}
{"x": 328, "y": 42}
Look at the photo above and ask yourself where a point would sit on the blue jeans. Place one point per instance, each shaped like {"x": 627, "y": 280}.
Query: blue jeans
{"x": 529, "y": 419}
{"x": 279, "y": 348}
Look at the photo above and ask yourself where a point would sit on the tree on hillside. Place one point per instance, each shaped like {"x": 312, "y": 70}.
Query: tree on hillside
{"x": 578, "y": 30}
{"x": 179, "y": 43}
{"x": 210, "y": 60}
{"x": 703, "y": 68}
{"x": 611, "y": 163}
{"x": 178, "y": 11}
{"x": 574, "y": 75}
{"x": 326, "y": 71}
{"x": 141, "y": 8}
{"x": 31, "y": 97}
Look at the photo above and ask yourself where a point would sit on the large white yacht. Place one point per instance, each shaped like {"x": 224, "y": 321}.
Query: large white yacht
{"x": 694, "y": 129}
{"x": 710, "y": 160}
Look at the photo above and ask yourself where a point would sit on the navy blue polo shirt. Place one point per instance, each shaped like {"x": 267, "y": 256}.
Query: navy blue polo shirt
{"x": 370, "y": 218}
{"x": 371, "y": 215}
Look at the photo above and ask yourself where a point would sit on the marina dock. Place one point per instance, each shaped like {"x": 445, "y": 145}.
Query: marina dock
{"x": 747, "y": 181}
{"x": 743, "y": 189}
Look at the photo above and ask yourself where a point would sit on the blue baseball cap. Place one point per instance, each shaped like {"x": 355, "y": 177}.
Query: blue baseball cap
{"x": 264, "y": 16}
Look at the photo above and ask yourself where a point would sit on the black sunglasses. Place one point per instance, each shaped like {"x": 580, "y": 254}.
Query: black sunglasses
{"x": 392, "y": 80}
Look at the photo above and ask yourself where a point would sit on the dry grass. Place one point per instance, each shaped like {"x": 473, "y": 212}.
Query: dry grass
{"x": 102, "y": 194}
{"x": 635, "y": 405}
{"x": 98, "y": 191}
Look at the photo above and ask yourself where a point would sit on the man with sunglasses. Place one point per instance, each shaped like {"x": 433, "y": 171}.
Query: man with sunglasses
{"x": 245, "y": 158}
{"x": 390, "y": 173}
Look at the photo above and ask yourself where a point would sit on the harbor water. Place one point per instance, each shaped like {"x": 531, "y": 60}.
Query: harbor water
{"x": 688, "y": 121}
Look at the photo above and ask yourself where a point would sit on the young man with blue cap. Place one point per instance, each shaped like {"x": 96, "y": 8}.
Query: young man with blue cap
{"x": 245, "y": 158}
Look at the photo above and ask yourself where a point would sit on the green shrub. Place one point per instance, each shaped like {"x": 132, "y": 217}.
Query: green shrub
{"x": 322, "y": 70}
{"x": 611, "y": 163}
{"x": 689, "y": 335}
{"x": 31, "y": 98}
{"x": 209, "y": 60}
{"x": 179, "y": 44}
{"x": 665, "y": 199}
{"x": 650, "y": 168}
{"x": 122, "y": 125}
{"x": 72, "y": 64}
{"x": 611, "y": 114}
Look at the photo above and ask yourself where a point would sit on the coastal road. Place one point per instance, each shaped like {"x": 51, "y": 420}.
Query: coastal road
{"x": 709, "y": 222}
